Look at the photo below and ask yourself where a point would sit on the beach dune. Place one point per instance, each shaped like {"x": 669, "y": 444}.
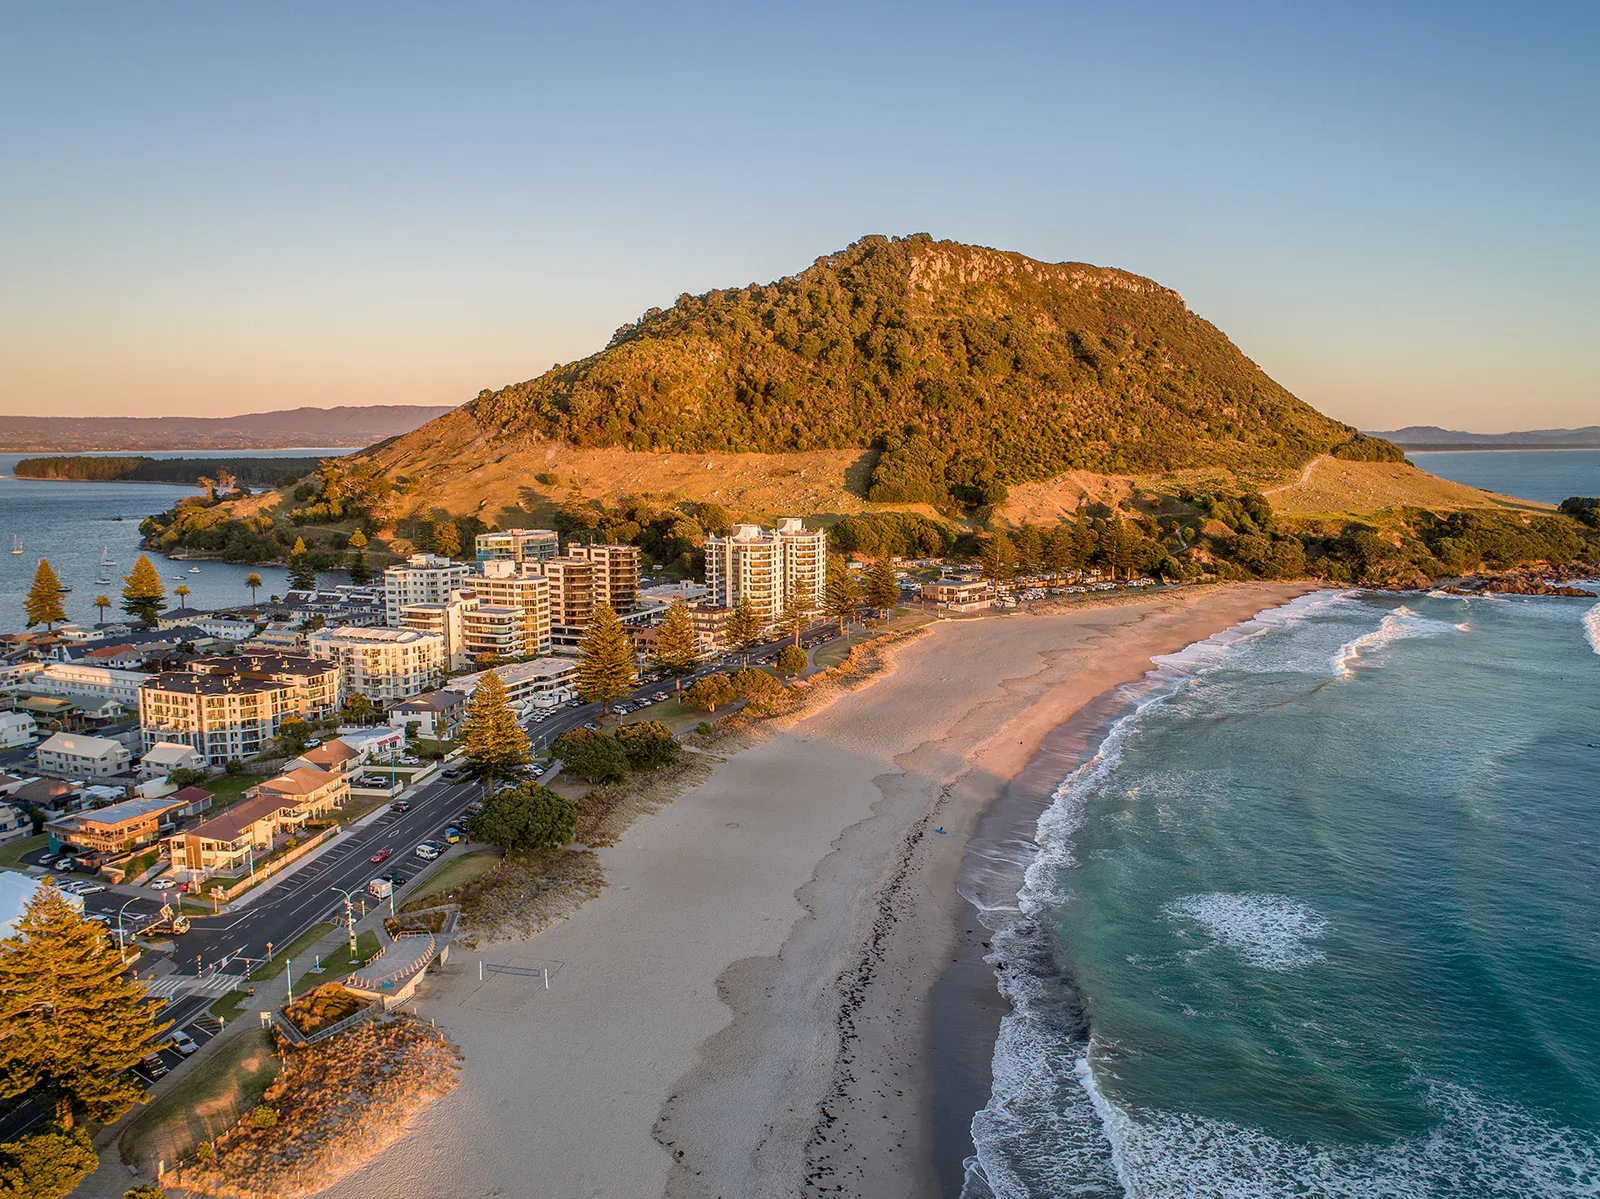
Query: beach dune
{"x": 745, "y": 1010}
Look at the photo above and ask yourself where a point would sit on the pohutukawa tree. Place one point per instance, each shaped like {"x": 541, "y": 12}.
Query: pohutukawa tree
{"x": 607, "y": 664}
{"x": 677, "y": 648}
{"x": 42, "y": 604}
{"x": 143, "y": 591}
{"x": 496, "y": 745}
{"x": 73, "y": 1023}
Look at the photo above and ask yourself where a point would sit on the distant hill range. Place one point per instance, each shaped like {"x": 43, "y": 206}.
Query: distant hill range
{"x": 293, "y": 428}
{"x": 1431, "y": 437}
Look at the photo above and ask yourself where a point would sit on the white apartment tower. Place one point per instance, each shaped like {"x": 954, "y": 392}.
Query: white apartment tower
{"x": 385, "y": 665}
{"x": 503, "y": 584}
{"x": 768, "y": 569}
{"x": 516, "y": 545}
{"x": 421, "y": 579}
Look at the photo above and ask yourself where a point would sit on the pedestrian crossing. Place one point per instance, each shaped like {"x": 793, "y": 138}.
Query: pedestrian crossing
{"x": 170, "y": 986}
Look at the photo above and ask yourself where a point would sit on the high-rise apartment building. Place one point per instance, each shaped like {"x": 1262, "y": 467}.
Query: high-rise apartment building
{"x": 769, "y": 570}
{"x": 616, "y": 574}
{"x": 571, "y": 591}
{"x": 421, "y": 579}
{"x": 503, "y": 584}
{"x": 385, "y": 665}
{"x": 516, "y": 545}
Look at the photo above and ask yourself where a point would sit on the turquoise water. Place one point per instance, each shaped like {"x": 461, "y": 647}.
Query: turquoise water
{"x": 1321, "y": 919}
{"x": 1548, "y": 476}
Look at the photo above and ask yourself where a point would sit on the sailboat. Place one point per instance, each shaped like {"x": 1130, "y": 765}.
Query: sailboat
{"x": 16, "y": 544}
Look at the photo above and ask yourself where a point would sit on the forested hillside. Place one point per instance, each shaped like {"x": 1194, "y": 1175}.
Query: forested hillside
{"x": 971, "y": 369}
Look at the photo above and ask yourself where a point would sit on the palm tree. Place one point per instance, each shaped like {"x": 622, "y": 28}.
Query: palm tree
{"x": 183, "y": 593}
{"x": 102, "y": 602}
{"x": 253, "y": 581}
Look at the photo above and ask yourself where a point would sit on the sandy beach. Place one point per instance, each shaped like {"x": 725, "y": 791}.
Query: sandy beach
{"x": 745, "y": 1010}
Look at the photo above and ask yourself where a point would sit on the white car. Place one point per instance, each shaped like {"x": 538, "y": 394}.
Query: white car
{"x": 427, "y": 851}
{"x": 88, "y": 888}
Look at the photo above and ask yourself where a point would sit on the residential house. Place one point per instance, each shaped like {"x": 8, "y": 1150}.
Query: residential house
{"x": 80, "y": 756}
{"x": 14, "y": 823}
{"x": 437, "y": 714}
{"x": 17, "y": 729}
{"x": 115, "y": 830}
{"x": 162, "y": 758}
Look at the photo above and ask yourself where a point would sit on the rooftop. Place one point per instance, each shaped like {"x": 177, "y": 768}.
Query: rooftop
{"x": 230, "y": 825}
{"x": 79, "y": 743}
{"x": 129, "y": 809}
{"x": 305, "y": 781}
{"x": 433, "y": 701}
{"x": 209, "y": 684}
{"x": 376, "y": 635}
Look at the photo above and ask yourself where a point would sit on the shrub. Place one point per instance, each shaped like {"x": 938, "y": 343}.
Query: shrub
{"x": 264, "y": 1117}
{"x": 792, "y": 659}
{"x": 593, "y": 756}
{"x": 757, "y": 688}
{"x": 648, "y": 743}
{"x": 527, "y": 817}
{"x": 710, "y": 693}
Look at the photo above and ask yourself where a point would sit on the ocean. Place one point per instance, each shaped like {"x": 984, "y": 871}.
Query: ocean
{"x": 1318, "y": 918}
{"x": 1548, "y": 476}
{"x": 74, "y": 524}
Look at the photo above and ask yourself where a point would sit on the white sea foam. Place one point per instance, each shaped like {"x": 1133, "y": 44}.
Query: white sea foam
{"x": 1479, "y": 1148}
{"x": 1269, "y": 931}
{"x": 1591, "y": 627}
{"x": 1400, "y": 625}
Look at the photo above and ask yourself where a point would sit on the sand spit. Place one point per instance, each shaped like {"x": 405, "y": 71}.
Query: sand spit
{"x": 743, "y": 1011}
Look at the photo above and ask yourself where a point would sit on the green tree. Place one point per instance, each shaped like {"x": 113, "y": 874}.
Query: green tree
{"x": 796, "y": 615}
{"x": 757, "y": 688}
{"x": 677, "y": 648}
{"x": 101, "y": 603}
{"x": 648, "y": 743}
{"x": 74, "y": 1024}
{"x": 358, "y": 709}
{"x": 882, "y": 589}
{"x": 302, "y": 574}
{"x": 360, "y": 569}
{"x": 46, "y": 1164}
{"x": 146, "y": 1191}
{"x": 524, "y": 818}
{"x": 446, "y": 539}
{"x": 842, "y": 595}
{"x": 253, "y": 581}
{"x": 792, "y": 659}
{"x": 710, "y": 693}
{"x": 42, "y": 604}
{"x": 744, "y": 627}
{"x": 592, "y": 756}
{"x": 606, "y": 659}
{"x": 294, "y": 737}
{"x": 1030, "y": 548}
{"x": 496, "y": 745}
{"x": 999, "y": 559}
{"x": 143, "y": 591}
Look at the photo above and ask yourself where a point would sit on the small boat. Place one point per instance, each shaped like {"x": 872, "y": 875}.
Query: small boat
{"x": 105, "y": 556}
{"x": 16, "y": 544}
{"x": 194, "y": 570}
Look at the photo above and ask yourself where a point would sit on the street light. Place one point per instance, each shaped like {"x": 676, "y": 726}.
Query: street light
{"x": 349, "y": 918}
{"x": 122, "y": 955}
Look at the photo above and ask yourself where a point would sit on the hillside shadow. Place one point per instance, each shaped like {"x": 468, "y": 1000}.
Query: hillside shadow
{"x": 858, "y": 475}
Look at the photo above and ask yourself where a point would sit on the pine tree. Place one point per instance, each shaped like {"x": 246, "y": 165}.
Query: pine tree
{"x": 744, "y": 627}
{"x": 605, "y": 659}
{"x": 797, "y": 613}
{"x": 302, "y": 575}
{"x": 73, "y": 1023}
{"x": 999, "y": 559}
{"x": 360, "y": 572}
{"x": 358, "y": 540}
{"x": 1030, "y": 548}
{"x": 677, "y": 647}
{"x": 143, "y": 591}
{"x": 883, "y": 589}
{"x": 42, "y": 604}
{"x": 446, "y": 539}
{"x": 841, "y": 596}
{"x": 496, "y": 745}
{"x": 47, "y": 1164}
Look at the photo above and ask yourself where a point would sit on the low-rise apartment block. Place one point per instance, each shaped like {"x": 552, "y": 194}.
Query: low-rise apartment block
{"x": 541, "y": 683}
{"x": 79, "y": 756}
{"x": 232, "y": 707}
{"x": 386, "y": 664}
{"x": 118, "y": 829}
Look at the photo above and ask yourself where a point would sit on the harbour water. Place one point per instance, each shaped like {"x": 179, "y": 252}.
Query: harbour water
{"x": 1316, "y": 919}
{"x": 1548, "y": 476}
{"x": 76, "y": 524}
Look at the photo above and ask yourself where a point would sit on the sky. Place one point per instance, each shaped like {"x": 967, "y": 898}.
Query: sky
{"x": 209, "y": 209}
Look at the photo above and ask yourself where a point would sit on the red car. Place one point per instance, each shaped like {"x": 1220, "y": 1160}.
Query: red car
{"x": 381, "y": 854}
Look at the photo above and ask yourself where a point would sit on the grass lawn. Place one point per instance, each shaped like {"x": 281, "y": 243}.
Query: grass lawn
{"x": 229, "y": 1007}
{"x": 11, "y": 855}
{"x": 227, "y": 790}
{"x": 426, "y": 745}
{"x": 359, "y": 807}
{"x": 204, "y": 1103}
{"x": 339, "y": 963}
{"x": 453, "y": 873}
{"x": 669, "y": 712}
{"x": 283, "y": 953}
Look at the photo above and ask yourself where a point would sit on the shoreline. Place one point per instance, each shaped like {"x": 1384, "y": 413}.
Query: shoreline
{"x": 751, "y": 1000}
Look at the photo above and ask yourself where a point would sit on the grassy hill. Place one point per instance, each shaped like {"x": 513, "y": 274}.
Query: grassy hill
{"x": 962, "y": 370}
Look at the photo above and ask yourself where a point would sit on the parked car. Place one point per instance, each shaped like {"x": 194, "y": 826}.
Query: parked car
{"x": 452, "y": 835}
{"x": 427, "y": 851}
{"x": 381, "y": 854}
{"x": 65, "y": 865}
{"x": 48, "y": 859}
{"x": 454, "y": 774}
{"x": 152, "y": 1065}
{"x": 87, "y": 887}
{"x": 400, "y": 805}
{"x": 184, "y": 1043}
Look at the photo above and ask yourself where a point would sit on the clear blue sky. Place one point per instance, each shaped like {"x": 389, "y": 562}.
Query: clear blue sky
{"x": 222, "y": 208}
